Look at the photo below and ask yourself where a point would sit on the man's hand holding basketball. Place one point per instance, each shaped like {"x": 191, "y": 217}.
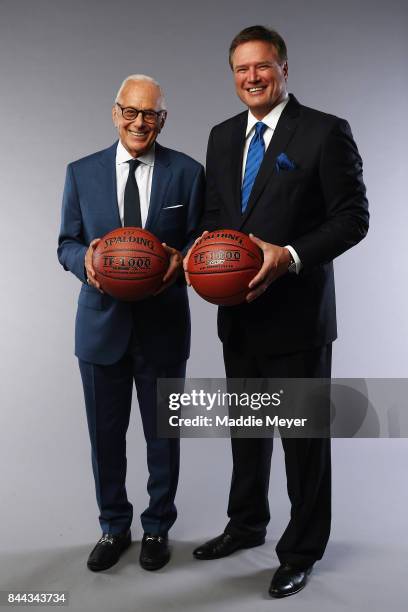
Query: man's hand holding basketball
{"x": 175, "y": 267}
{"x": 275, "y": 264}
{"x": 90, "y": 272}
{"x": 185, "y": 261}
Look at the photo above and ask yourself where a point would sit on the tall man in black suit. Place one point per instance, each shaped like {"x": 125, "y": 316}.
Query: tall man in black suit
{"x": 291, "y": 177}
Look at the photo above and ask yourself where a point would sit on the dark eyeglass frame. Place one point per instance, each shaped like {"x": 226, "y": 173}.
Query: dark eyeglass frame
{"x": 154, "y": 115}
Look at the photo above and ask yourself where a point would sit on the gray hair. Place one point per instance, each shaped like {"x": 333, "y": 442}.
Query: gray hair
{"x": 142, "y": 77}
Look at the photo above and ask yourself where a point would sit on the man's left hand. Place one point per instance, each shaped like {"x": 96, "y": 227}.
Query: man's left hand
{"x": 174, "y": 270}
{"x": 275, "y": 264}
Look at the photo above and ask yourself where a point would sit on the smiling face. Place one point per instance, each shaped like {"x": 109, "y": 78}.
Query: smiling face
{"x": 137, "y": 136}
{"x": 260, "y": 76}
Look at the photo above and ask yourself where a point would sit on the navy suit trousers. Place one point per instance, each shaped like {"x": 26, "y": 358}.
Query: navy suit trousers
{"x": 108, "y": 397}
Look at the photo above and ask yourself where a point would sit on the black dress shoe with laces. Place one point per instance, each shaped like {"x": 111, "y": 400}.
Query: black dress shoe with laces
{"x": 155, "y": 552}
{"x": 288, "y": 580}
{"x": 108, "y": 550}
{"x": 224, "y": 545}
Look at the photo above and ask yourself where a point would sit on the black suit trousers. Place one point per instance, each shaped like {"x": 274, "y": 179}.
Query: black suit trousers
{"x": 307, "y": 461}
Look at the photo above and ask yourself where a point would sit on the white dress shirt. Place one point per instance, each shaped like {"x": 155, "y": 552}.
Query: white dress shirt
{"x": 143, "y": 174}
{"x": 270, "y": 120}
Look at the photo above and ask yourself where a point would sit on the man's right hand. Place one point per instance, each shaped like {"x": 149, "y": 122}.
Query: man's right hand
{"x": 185, "y": 260}
{"x": 90, "y": 272}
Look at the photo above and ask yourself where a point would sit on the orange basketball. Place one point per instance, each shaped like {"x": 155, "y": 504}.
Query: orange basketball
{"x": 130, "y": 263}
{"x": 222, "y": 264}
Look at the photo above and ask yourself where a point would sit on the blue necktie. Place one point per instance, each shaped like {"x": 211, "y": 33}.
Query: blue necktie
{"x": 255, "y": 156}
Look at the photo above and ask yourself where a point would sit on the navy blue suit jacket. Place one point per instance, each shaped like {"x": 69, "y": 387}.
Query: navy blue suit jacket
{"x": 90, "y": 210}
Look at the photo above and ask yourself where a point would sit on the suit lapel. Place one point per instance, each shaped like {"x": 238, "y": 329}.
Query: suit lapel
{"x": 236, "y": 148}
{"x": 282, "y": 135}
{"x": 107, "y": 183}
{"x": 160, "y": 183}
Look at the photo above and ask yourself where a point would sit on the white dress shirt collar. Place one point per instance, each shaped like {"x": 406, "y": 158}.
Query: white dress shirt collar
{"x": 123, "y": 155}
{"x": 270, "y": 120}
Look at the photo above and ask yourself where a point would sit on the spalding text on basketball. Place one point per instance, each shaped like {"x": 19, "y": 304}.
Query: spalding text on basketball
{"x": 225, "y": 235}
{"x": 129, "y": 238}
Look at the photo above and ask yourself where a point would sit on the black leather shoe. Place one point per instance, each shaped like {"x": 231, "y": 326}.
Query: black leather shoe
{"x": 225, "y": 544}
{"x": 288, "y": 580}
{"x": 155, "y": 551}
{"x": 108, "y": 550}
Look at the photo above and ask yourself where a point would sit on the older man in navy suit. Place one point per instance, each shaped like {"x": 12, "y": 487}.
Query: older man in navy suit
{"x": 135, "y": 182}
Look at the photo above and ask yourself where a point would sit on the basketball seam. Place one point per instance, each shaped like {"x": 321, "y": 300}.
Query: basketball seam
{"x": 210, "y": 273}
{"x": 134, "y": 278}
{"x": 116, "y": 252}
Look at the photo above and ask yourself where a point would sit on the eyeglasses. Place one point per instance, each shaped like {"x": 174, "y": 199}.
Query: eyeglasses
{"x": 149, "y": 116}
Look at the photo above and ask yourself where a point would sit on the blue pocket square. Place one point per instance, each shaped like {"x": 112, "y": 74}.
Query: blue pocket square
{"x": 283, "y": 162}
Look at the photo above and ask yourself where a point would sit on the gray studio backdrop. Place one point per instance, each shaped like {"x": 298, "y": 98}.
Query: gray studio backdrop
{"x": 61, "y": 64}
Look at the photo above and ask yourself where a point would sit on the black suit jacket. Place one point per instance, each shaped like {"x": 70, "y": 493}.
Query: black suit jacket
{"x": 319, "y": 208}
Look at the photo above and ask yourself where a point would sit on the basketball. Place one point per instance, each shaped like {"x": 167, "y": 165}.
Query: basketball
{"x": 222, "y": 264}
{"x": 129, "y": 263}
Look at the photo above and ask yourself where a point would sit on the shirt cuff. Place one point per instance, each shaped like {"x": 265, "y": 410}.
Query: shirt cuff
{"x": 296, "y": 259}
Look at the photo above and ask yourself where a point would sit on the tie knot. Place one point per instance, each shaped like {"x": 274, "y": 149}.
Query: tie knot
{"x": 133, "y": 164}
{"x": 260, "y": 128}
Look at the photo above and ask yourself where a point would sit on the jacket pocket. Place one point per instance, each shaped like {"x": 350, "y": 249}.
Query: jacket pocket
{"x": 174, "y": 212}
{"x": 292, "y": 175}
{"x": 90, "y": 298}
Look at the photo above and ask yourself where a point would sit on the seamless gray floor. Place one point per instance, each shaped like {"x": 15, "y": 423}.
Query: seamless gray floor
{"x": 355, "y": 577}
{"x": 364, "y": 567}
